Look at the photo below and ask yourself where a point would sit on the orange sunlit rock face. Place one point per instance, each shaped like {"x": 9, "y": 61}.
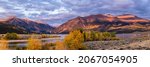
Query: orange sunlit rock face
{"x": 102, "y": 22}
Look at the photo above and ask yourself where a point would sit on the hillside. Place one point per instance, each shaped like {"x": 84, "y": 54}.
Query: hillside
{"x": 14, "y": 24}
{"x": 125, "y": 23}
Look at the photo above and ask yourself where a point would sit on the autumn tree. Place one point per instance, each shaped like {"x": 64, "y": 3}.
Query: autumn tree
{"x": 87, "y": 36}
{"x": 11, "y": 36}
{"x": 98, "y": 36}
{"x": 74, "y": 41}
{"x": 34, "y": 44}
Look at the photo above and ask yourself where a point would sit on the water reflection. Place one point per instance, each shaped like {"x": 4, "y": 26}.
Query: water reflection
{"x": 22, "y": 43}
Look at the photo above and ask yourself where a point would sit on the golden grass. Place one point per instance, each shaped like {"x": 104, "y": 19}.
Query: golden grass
{"x": 60, "y": 46}
{"x": 3, "y": 44}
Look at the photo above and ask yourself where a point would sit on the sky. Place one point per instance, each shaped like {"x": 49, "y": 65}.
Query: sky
{"x": 56, "y": 12}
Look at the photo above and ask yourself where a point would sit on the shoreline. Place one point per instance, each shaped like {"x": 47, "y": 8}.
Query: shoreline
{"x": 25, "y": 40}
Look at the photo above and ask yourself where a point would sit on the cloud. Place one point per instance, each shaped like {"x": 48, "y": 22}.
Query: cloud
{"x": 59, "y": 11}
{"x": 2, "y": 10}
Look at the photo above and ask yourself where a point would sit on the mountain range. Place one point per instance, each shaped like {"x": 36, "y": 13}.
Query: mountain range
{"x": 126, "y": 23}
{"x": 17, "y": 25}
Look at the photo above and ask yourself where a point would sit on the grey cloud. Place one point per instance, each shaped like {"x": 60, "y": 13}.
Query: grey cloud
{"x": 50, "y": 9}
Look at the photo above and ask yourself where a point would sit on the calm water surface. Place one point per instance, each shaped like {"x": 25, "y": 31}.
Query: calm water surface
{"x": 22, "y": 43}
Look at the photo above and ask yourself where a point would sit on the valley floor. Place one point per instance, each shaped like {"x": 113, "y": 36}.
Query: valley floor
{"x": 134, "y": 43}
{"x": 118, "y": 45}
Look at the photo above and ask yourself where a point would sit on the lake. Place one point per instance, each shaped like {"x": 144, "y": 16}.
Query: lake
{"x": 23, "y": 43}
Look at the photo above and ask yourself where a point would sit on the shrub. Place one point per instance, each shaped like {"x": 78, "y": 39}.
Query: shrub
{"x": 11, "y": 36}
{"x": 113, "y": 34}
{"x": 3, "y": 44}
{"x": 44, "y": 36}
{"x": 49, "y": 46}
{"x": 106, "y": 34}
{"x": 98, "y": 36}
{"x": 34, "y": 44}
{"x": 60, "y": 46}
{"x": 54, "y": 36}
{"x": 74, "y": 41}
{"x": 87, "y": 36}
